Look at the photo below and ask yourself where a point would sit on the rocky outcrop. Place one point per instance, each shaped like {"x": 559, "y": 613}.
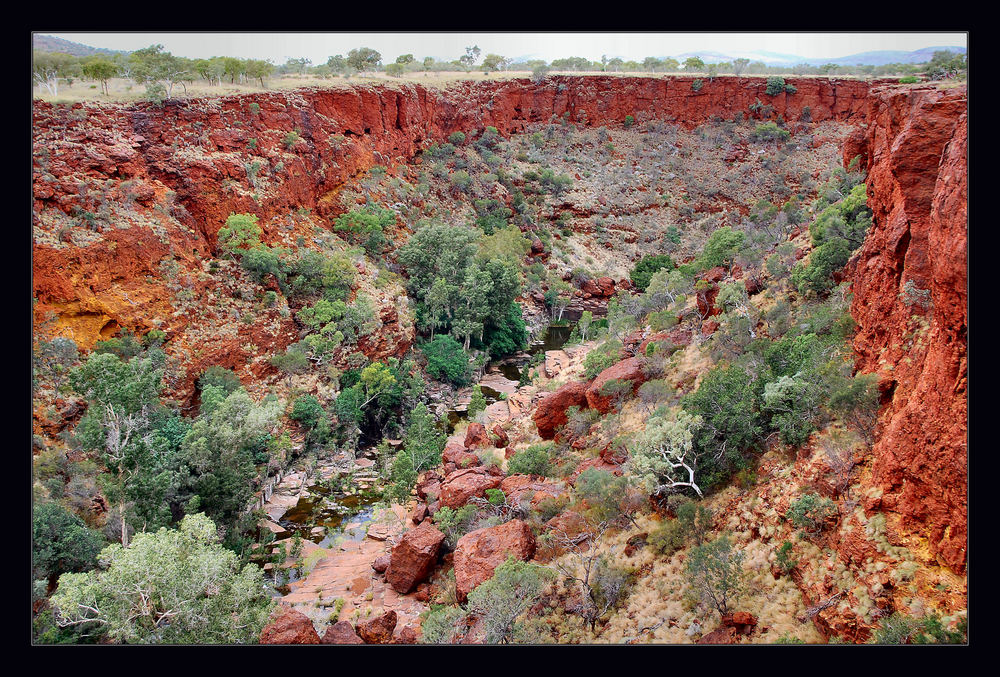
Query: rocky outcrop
{"x": 627, "y": 370}
{"x": 476, "y": 437}
{"x": 378, "y": 630}
{"x": 413, "y": 557}
{"x": 341, "y": 632}
{"x": 519, "y": 489}
{"x": 163, "y": 179}
{"x": 462, "y": 485}
{"x": 550, "y": 414}
{"x": 291, "y": 627}
{"x": 915, "y": 152}
{"x": 479, "y": 552}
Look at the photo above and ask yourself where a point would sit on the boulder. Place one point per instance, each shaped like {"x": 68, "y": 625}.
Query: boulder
{"x": 550, "y": 414}
{"x": 462, "y": 485}
{"x": 341, "y": 632}
{"x": 457, "y": 455}
{"x": 479, "y": 552}
{"x": 719, "y": 636}
{"x": 709, "y": 327}
{"x": 419, "y": 513}
{"x": 476, "y": 437}
{"x": 290, "y": 627}
{"x": 502, "y": 439}
{"x": 626, "y": 370}
{"x": 378, "y": 630}
{"x": 528, "y": 487}
{"x": 716, "y": 274}
{"x": 381, "y": 563}
{"x": 413, "y": 557}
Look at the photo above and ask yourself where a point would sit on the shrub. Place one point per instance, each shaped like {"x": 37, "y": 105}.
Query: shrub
{"x": 600, "y": 358}
{"x": 667, "y": 538}
{"x": 446, "y": 361}
{"x": 219, "y": 376}
{"x": 290, "y": 139}
{"x": 902, "y": 629}
{"x": 716, "y": 575}
{"x": 456, "y": 138}
{"x": 810, "y": 512}
{"x": 697, "y": 85}
{"x": 784, "y": 557}
{"x": 535, "y": 460}
{"x": 908, "y": 79}
{"x": 629, "y": 121}
{"x": 647, "y": 266}
{"x": 775, "y": 85}
{"x": 769, "y": 131}
{"x": 500, "y": 601}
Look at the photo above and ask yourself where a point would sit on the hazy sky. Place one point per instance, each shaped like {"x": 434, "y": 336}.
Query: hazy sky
{"x": 448, "y": 46}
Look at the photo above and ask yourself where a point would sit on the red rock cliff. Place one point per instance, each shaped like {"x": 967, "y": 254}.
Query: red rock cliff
{"x": 914, "y": 150}
{"x": 182, "y": 168}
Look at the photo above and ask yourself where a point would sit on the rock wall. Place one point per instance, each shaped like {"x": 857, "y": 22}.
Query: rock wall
{"x": 182, "y": 168}
{"x": 914, "y": 149}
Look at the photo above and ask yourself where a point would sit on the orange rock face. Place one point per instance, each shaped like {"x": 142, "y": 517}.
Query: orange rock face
{"x": 626, "y": 370}
{"x": 291, "y": 627}
{"x": 550, "y": 414}
{"x": 480, "y": 552}
{"x": 915, "y": 153}
{"x": 413, "y": 558}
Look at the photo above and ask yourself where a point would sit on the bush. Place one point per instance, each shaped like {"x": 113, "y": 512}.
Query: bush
{"x": 697, "y": 85}
{"x": 775, "y": 85}
{"x": 908, "y": 80}
{"x": 647, "y": 266}
{"x": 769, "y": 131}
{"x": 535, "y": 460}
{"x": 902, "y": 629}
{"x": 629, "y": 121}
{"x": 716, "y": 575}
{"x": 446, "y": 361}
{"x": 667, "y": 538}
{"x": 810, "y": 512}
{"x": 61, "y": 542}
{"x": 600, "y": 358}
{"x": 456, "y": 138}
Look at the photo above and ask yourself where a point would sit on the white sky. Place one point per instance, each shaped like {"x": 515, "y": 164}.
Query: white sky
{"x": 448, "y": 46}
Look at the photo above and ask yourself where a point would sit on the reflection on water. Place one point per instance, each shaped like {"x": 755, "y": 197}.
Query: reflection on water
{"x": 343, "y": 516}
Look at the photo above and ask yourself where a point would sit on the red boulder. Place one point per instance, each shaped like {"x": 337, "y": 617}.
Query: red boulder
{"x": 413, "y": 557}
{"x": 480, "y": 552}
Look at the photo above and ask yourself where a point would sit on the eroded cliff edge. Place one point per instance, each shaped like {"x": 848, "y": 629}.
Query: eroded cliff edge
{"x": 910, "y": 302}
{"x": 183, "y": 168}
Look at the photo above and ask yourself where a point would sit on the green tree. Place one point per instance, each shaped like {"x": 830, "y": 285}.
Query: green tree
{"x": 504, "y": 598}
{"x": 55, "y": 358}
{"x": 694, "y": 63}
{"x": 716, "y": 575}
{"x": 363, "y": 59}
{"x": 171, "y": 587}
{"x": 647, "y": 266}
{"x": 47, "y": 68}
{"x": 61, "y": 542}
{"x": 446, "y": 360}
{"x": 477, "y": 403}
{"x": 240, "y": 232}
{"x": 151, "y": 66}
{"x": 122, "y": 397}
{"x": 100, "y": 69}
{"x": 664, "y": 458}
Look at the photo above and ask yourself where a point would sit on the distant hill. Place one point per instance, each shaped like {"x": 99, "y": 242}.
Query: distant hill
{"x": 873, "y": 58}
{"x": 48, "y": 43}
